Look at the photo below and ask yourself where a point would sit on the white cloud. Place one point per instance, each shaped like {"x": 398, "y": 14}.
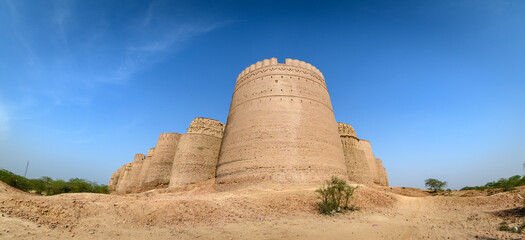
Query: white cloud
{"x": 144, "y": 53}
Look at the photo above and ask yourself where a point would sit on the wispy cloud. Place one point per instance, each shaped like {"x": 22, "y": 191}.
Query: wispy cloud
{"x": 75, "y": 68}
{"x": 157, "y": 36}
{"x": 61, "y": 17}
{"x": 16, "y": 20}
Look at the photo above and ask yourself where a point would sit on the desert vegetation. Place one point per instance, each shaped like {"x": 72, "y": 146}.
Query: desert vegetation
{"x": 48, "y": 186}
{"x": 435, "y": 184}
{"x": 506, "y": 184}
{"x": 335, "y": 196}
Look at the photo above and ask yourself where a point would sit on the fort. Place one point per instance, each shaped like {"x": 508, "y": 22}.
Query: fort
{"x": 280, "y": 128}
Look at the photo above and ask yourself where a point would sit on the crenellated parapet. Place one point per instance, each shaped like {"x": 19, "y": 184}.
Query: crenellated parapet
{"x": 150, "y": 152}
{"x": 139, "y": 157}
{"x": 206, "y": 126}
{"x": 291, "y": 68}
{"x": 346, "y": 130}
{"x": 272, "y": 62}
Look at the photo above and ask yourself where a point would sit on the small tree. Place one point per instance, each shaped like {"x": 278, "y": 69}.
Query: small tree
{"x": 335, "y": 196}
{"x": 435, "y": 184}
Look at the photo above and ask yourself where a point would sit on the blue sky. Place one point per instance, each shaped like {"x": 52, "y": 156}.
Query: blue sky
{"x": 438, "y": 87}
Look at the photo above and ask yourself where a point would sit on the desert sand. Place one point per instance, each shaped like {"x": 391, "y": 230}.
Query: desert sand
{"x": 257, "y": 212}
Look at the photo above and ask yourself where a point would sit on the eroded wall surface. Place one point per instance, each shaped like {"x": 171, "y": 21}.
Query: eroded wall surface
{"x": 356, "y": 160}
{"x": 280, "y": 127}
{"x": 124, "y": 179}
{"x": 133, "y": 178}
{"x": 144, "y": 170}
{"x": 112, "y": 186}
{"x": 365, "y": 146}
{"x": 159, "y": 170}
{"x": 118, "y": 177}
{"x": 383, "y": 178}
{"x": 197, "y": 152}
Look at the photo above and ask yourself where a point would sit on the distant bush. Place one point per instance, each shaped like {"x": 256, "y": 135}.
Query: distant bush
{"x": 435, "y": 184}
{"x": 506, "y": 184}
{"x": 335, "y": 196}
{"x": 48, "y": 186}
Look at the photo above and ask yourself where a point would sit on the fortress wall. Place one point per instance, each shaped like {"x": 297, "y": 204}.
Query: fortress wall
{"x": 133, "y": 179}
{"x": 113, "y": 182}
{"x": 124, "y": 179}
{"x": 144, "y": 170}
{"x": 159, "y": 169}
{"x": 383, "y": 178}
{"x": 197, "y": 152}
{"x": 280, "y": 127}
{"x": 356, "y": 160}
{"x": 206, "y": 126}
{"x": 119, "y": 176}
{"x": 346, "y": 130}
{"x": 367, "y": 149}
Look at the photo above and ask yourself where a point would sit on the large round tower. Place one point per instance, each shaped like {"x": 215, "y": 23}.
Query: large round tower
{"x": 197, "y": 152}
{"x": 281, "y": 127}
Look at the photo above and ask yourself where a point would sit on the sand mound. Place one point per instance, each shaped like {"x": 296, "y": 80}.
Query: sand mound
{"x": 7, "y": 190}
{"x": 200, "y": 211}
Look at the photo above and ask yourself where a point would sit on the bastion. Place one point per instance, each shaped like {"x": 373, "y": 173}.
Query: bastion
{"x": 381, "y": 172}
{"x": 124, "y": 178}
{"x": 197, "y": 152}
{"x": 365, "y": 146}
{"x": 158, "y": 175}
{"x": 144, "y": 171}
{"x": 118, "y": 176}
{"x": 112, "y": 186}
{"x": 133, "y": 176}
{"x": 356, "y": 160}
{"x": 281, "y": 127}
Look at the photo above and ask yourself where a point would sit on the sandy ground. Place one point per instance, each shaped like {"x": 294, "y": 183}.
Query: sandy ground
{"x": 267, "y": 212}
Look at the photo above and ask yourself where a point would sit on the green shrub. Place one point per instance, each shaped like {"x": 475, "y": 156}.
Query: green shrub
{"x": 48, "y": 186}
{"x": 503, "y": 226}
{"x": 506, "y": 184}
{"x": 435, "y": 184}
{"x": 335, "y": 196}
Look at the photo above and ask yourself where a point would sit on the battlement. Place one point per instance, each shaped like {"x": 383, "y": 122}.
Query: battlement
{"x": 273, "y": 62}
{"x": 168, "y": 137}
{"x": 346, "y": 130}
{"x": 151, "y": 151}
{"x": 139, "y": 157}
{"x": 206, "y": 126}
{"x": 128, "y": 166}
